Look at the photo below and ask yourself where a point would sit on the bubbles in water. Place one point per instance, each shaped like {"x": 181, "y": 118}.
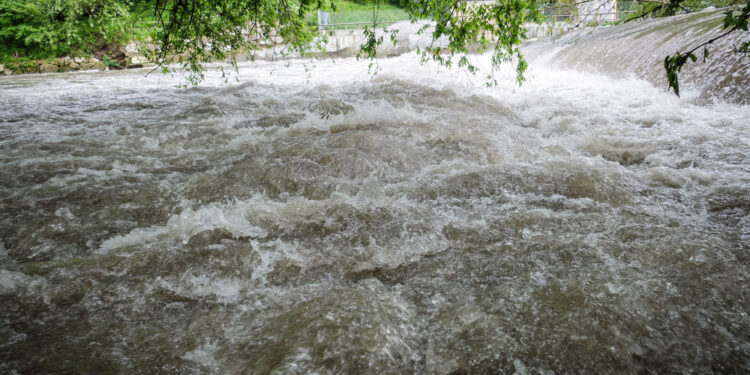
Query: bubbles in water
{"x": 412, "y": 222}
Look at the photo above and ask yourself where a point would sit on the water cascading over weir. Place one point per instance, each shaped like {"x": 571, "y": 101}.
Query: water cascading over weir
{"x": 637, "y": 49}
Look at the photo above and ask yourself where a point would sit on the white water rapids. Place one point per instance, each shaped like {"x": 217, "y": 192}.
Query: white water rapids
{"x": 334, "y": 222}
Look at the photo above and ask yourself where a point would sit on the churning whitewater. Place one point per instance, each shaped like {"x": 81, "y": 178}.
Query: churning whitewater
{"x": 316, "y": 219}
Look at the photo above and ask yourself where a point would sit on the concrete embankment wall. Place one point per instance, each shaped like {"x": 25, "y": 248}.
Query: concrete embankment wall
{"x": 344, "y": 43}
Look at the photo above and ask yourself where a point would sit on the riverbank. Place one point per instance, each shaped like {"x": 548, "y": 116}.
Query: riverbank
{"x": 337, "y": 44}
{"x": 44, "y": 36}
{"x": 114, "y": 57}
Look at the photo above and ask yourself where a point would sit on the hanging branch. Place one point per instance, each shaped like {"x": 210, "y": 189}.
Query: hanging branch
{"x": 674, "y": 63}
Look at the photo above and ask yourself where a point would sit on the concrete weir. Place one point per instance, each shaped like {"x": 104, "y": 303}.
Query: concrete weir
{"x": 344, "y": 43}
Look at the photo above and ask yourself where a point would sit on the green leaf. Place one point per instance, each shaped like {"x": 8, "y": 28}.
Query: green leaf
{"x": 728, "y": 19}
{"x": 673, "y": 82}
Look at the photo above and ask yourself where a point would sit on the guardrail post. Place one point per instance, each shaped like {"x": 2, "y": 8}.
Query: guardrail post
{"x": 324, "y": 19}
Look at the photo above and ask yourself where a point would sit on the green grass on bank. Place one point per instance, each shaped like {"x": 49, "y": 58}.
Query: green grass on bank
{"x": 349, "y": 12}
{"x": 360, "y": 19}
{"x": 354, "y": 6}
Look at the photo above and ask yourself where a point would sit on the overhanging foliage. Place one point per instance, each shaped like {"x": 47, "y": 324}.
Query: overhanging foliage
{"x": 203, "y": 30}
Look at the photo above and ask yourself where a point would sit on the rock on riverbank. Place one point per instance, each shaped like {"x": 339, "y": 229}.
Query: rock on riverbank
{"x": 127, "y": 56}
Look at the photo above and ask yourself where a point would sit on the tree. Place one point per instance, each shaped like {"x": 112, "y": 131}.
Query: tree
{"x": 42, "y": 29}
{"x": 203, "y": 30}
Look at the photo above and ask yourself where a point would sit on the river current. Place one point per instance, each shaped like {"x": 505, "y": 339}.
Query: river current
{"x": 317, "y": 219}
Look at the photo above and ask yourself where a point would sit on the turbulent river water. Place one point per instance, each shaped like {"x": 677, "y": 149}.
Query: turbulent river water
{"x": 328, "y": 221}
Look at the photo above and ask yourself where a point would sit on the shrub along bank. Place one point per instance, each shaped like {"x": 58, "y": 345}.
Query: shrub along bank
{"x": 61, "y": 35}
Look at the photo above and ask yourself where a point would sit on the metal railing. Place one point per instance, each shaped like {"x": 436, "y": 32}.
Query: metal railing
{"x": 354, "y": 25}
{"x": 551, "y": 14}
{"x": 586, "y": 17}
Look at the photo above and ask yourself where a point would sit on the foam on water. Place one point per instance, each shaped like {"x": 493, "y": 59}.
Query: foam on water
{"x": 415, "y": 221}
{"x": 638, "y": 49}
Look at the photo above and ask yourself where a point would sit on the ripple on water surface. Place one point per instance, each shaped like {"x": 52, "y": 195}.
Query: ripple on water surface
{"x": 414, "y": 222}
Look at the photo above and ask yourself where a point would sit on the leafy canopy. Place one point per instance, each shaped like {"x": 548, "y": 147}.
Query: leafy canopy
{"x": 197, "y": 31}
{"x": 206, "y": 30}
{"x": 39, "y": 29}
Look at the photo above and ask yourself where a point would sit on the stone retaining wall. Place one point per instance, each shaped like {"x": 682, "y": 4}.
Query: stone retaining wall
{"x": 129, "y": 57}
